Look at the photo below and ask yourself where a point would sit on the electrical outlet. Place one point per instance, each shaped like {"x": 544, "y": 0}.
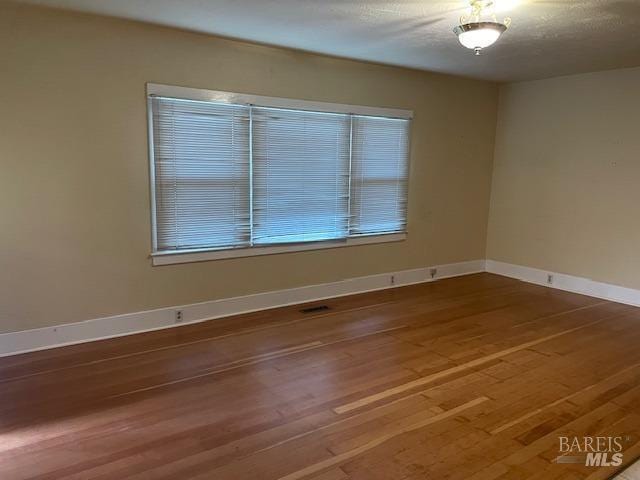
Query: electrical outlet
{"x": 433, "y": 272}
{"x": 393, "y": 279}
{"x": 550, "y": 279}
{"x": 178, "y": 316}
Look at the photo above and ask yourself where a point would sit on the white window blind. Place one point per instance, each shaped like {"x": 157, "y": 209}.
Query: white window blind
{"x": 228, "y": 173}
{"x": 380, "y": 150}
{"x": 201, "y": 160}
{"x": 300, "y": 176}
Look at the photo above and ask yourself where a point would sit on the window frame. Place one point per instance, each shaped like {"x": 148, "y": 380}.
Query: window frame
{"x": 206, "y": 254}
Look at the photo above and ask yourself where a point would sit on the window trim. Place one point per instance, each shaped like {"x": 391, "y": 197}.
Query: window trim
{"x": 185, "y": 93}
{"x": 201, "y": 255}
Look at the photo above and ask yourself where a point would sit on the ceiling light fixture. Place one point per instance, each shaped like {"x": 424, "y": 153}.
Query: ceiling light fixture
{"x": 480, "y": 29}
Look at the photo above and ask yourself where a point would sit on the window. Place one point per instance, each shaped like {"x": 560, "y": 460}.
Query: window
{"x": 300, "y": 176}
{"x": 201, "y": 157}
{"x": 379, "y": 169}
{"x": 237, "y": 175}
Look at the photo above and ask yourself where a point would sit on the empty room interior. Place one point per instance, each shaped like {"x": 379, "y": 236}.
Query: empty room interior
{"x": 320, "y": 239}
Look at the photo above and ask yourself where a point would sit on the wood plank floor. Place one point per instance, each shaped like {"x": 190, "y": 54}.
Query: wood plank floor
{"x": 468, "y": 378}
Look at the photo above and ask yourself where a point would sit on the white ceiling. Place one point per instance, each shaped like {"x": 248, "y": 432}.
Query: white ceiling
{"x": 547, "y": 37}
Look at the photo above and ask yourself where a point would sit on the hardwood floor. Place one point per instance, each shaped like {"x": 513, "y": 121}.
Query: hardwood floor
{"x": 469, "y": 378}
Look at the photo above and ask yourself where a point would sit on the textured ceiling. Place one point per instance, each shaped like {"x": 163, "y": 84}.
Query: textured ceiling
{"x": 547, "y": 37}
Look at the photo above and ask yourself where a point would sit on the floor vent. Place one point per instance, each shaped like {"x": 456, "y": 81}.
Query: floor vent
{"x": 314, "y": 309}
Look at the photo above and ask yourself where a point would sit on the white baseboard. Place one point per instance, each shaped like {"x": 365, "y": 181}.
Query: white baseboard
{"x": 119, "y": 325}
{"x": 565, "y": 282}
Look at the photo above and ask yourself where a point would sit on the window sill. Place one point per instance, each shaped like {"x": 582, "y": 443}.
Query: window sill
{"x": 189, "y": 256}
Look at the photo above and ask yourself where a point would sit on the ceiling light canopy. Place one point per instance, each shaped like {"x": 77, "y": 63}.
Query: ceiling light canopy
{"x": 477, "y": 33}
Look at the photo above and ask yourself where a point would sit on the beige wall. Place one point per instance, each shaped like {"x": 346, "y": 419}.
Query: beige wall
{"x": 566, "y": 182}
{"x": 74, "y": 192}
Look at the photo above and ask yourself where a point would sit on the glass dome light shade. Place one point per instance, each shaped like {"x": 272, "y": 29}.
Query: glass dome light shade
{"x": 479, "y": 35}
